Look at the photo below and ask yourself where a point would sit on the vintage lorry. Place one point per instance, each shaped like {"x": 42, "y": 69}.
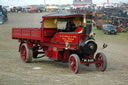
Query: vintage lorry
{"x": 62, "y": 37}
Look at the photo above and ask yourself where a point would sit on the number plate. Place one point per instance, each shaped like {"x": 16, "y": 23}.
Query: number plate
{"x": 88, "y": 60}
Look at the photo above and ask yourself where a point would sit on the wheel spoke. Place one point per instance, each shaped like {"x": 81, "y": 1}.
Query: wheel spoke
{"x": 23, "y": 53}
{"x": 72, "y": 63}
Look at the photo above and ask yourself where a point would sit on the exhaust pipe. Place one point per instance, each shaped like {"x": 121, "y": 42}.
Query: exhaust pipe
{"x": 88, "y": 23}
{"x": 87, "y": 45}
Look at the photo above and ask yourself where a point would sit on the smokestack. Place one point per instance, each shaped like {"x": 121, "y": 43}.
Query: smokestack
{"x": 88, "y": 23}
{"x": 107, "y": 1}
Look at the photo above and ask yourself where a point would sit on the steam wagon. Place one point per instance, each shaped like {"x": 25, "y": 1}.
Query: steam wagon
{"x": 62, "y": 37}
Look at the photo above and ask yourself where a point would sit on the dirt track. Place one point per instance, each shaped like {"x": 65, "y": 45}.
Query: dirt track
{"x": 14, "y": 72}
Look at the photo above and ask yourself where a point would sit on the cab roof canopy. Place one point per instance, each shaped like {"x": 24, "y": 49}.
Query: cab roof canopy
{"x": 52, "y": 20}
{"x": 61, "y": 15}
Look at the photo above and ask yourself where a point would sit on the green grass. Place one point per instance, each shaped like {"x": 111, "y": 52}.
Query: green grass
{"x": 118, "y": 36}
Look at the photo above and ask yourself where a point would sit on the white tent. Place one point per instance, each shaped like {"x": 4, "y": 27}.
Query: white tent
{"x": 20, "y": 2}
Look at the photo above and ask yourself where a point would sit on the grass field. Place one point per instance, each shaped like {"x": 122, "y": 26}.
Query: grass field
{"x": 118, "y": 36}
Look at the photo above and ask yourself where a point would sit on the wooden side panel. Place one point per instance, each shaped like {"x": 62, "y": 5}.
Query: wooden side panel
{"x": 36, "y": 34}
{"x": 27, "y": 33}
{"x": 16, "y": 33}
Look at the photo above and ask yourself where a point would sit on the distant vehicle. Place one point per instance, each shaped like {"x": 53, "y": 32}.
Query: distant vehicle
{"x": 32, "y": 10}
{"x": 40, "y": 9}
{"x": 100, "y": 20}
{"x": 109, "y": 29}
{"x": 122, "y": 28}
{"x": 3, "y": 15}
{"x": 36, "y": 10}
{"x": 60, "y": 9}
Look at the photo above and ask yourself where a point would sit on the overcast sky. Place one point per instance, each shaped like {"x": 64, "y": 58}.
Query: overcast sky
{"x": 28, "y": 2}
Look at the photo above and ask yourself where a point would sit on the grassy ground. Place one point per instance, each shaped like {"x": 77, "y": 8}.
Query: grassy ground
{"x": 118, "y": 36}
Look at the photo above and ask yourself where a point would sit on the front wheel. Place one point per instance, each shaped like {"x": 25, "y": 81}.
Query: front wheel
{"x": 26, "y": 53}
{"x": 74, "y": 63}
{"x": 101, "y": 61}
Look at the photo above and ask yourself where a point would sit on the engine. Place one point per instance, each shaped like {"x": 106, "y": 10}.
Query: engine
{"x": 88, "y": 47}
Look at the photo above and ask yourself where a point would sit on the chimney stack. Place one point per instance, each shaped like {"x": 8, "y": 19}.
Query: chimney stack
{"x": 107, "y": 1}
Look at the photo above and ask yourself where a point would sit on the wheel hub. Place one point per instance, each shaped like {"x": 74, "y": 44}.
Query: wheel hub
{"x": 72, "y": 64}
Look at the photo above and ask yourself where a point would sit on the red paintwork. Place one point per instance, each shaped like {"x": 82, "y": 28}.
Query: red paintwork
{"x": 23, "y": 53}
{"x": 99, "y": 62}
{"x": 68, "y": 38}
{"x": 32, "y": 10}
{"x": 26, "y": 33}
{"x": 72, "y": 64}
{"x": 66, "y": 55}
{"x": 49, "y": 39}
{"x": 78, "y": 29}
{"x": 119, "y": 29}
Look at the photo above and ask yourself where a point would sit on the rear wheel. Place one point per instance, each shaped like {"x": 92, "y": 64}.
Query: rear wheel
{"x": 25, "y": 53}
{"x": 74, "y": 63}
{"x": 101, "y": 61}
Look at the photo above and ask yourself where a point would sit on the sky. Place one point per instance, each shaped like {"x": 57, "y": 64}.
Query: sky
{"x": 59, "y": 2}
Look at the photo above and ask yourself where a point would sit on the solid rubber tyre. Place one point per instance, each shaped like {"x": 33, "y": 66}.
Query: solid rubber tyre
{"x": 26, "y": 53}
{"x": 101, "y": 62}
{"x": 74, "y": 63}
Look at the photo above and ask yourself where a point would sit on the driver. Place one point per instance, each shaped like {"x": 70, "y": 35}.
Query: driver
{"x": 70, "y": 26}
